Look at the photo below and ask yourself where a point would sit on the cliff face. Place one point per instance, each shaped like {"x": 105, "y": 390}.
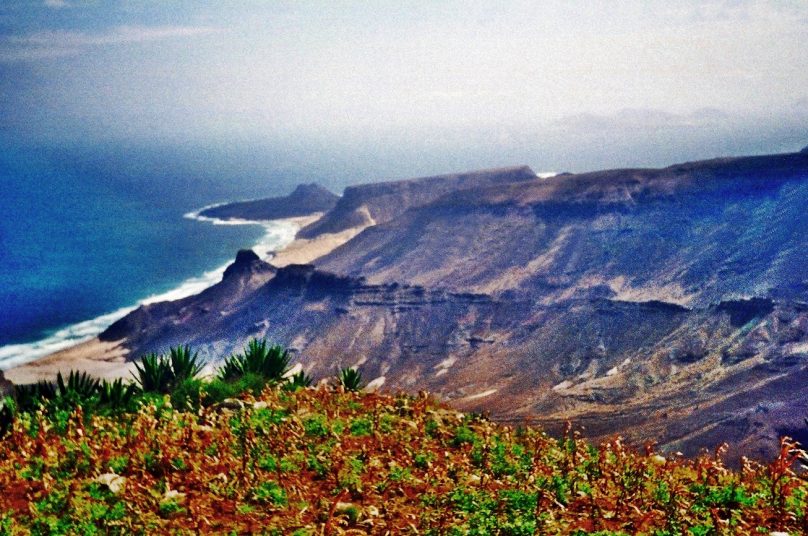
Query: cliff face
{"x": 306, "y": 199}
{"x": 665, "y": 304}
{"x": 689, "y": 234}
{"x": 371, "y": 204}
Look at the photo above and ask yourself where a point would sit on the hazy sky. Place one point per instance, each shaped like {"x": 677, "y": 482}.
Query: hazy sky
{"x": 371, "y": 71}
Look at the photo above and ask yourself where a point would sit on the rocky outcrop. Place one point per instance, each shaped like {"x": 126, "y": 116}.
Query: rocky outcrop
{"x": 6, "y": 387}
{"x": 247, "y": 262}
{"x": 370, "y": 204}
{"x": 304, "y": 200}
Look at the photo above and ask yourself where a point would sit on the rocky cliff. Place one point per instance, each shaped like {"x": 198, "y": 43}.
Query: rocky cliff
{"x": 663, "y": 303}
{"x": 371, "y": 204}
{"x": 304, "y": 200}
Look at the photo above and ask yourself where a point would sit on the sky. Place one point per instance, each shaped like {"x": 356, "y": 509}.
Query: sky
{"x": 571, "y": 84}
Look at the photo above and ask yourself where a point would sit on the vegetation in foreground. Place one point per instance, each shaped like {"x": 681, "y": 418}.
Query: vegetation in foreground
{"x": 244, "y": 453}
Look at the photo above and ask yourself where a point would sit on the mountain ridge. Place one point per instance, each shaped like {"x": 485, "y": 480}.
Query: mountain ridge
{"x": 374, "y": 203}
{"x": 304, "y": 200}
{"x": 665, "y": 304}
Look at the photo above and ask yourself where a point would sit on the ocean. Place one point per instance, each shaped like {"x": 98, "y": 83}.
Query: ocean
{"x": 86, "y": 238}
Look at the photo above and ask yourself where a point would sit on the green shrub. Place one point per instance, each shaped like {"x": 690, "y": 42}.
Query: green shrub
{"x": 153, "y": 374}
{"x": 361, "y": 427}
{"x": 161, "y": 373}
{"x": 350, "y": 378}
{"x": 217, "y": 389}
{"x": 117, "y": 396}
{"x": 187, "y": 395}
{"x": 464, "y": 435}
{"x": 269, "y": 492}
{"x": 316, "y": 426}
{"x": 8, "y": 410}
{"x": 271, "y": 362}
{"x": 301, "y": 380}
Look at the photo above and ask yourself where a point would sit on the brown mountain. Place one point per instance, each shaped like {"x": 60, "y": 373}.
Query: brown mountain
{"x": 371, "y": 204}
{"x": 304, "y": 200}
{"x": 655, "y": 303}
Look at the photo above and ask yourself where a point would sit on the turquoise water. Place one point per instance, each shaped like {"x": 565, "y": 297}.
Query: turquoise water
{"x": 79, "y": 245}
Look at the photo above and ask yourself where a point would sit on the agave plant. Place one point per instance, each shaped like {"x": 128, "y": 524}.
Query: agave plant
{"x": 297, "y": 381}
{"x": 350, "y": 378}
{"x": 153, "y": 374}
{"x": 161, "y": 374}
{"x": 7, "y": 412}
{"x": 30, "y": 396}
{"x": 184, "y": 365}
{"x": 80, "y": 384}
{"x": 232, "y": 368}
{"x": 117, "y": 395}
{"x": 80, "y": 389}
{"x": 270, "y": 362}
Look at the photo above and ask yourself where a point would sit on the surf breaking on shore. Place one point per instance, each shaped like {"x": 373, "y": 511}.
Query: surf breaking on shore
{"x": 277, "y": 235}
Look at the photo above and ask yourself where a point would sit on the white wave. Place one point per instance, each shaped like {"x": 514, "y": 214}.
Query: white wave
{"x": 277, "y": 235}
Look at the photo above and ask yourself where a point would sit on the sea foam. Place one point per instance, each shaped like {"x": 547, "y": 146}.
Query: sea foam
{"x": 277, "y": 235}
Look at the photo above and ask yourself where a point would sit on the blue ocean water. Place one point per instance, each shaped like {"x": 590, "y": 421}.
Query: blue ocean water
{"x": 82, "y": 239}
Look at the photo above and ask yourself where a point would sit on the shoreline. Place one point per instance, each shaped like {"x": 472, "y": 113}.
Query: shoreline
{"x": 108, "y": 359}
{"x": 277, "y": 235}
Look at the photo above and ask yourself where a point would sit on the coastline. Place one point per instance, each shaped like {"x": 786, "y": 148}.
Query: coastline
{"x": 108, "y": 360}
{"x": 278, "y": 234}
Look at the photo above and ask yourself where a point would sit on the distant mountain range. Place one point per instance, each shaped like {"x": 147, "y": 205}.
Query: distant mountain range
{"x": 667, "y": 304}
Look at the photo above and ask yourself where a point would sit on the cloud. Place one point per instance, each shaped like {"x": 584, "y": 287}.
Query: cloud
{"x": 643, "y": 118}
{"x": 56, "y": 4}
{"x": 57, "y": 43}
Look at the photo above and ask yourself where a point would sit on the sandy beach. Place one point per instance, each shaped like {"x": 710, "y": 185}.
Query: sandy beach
{"x": 101, "y": 359}
{"x": 108, "y": 359}
{"x": 304, "y": 251}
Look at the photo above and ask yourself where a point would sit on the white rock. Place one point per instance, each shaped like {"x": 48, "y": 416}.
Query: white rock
{"x": 563, "y": 385}
{"x": 113, "y": 482}
{"x": 294, "y": 370}
{"x": 173, "y": 495}
{"x": 374, "y": 384}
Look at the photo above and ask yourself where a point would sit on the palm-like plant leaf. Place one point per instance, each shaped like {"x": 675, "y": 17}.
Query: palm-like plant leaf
{"x": 161, "y": 374}
{"x": 30, "y": 396}
{"x": 117, "y": 395}
{"x": 184, "y": 364}
{"x": 79, "y": 384}
{"x": 7, "y": 411}
{"x": 269, "y": 362}
{"x": 297, "y": 381}
{"x": 231, "y": 369}
{"x": 350, "y": 378}
{"x": 153, "y": 374}
{"x": 275, "y": 362}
